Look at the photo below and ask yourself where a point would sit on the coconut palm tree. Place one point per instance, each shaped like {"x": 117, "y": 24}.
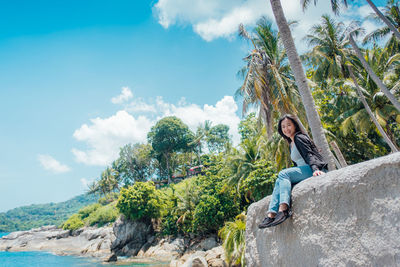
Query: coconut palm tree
{"x": 187, "y": 201}
{"x": 372, "y": 74}
{"x": 335, "y": 8}
{"x": 268, "y": 81}
{"x": 301, "y": 81}
{"x": 242, "y": 162}
{"x": 336, "y": 5}
{"x": 370, "y": 113}
{"x": 233, "y": 236}
{"x": 331, "y": 51}
{"x": 392, "y": 13}
{"x": 202, "y": 132}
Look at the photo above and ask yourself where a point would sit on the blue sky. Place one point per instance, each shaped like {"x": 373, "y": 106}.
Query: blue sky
{"x": 78, "y": 79}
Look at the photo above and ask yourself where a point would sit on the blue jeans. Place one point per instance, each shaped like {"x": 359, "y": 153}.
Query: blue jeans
{"x": 283, "y": 185}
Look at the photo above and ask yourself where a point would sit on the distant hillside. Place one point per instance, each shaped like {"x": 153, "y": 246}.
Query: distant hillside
{"x": 36, "y": 215}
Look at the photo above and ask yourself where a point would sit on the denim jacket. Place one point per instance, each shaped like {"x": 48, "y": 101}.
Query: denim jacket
{"x": 309, "y": 152}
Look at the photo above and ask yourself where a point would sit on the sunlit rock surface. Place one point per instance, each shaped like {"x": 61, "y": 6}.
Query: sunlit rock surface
{"x": 347, "y": 217}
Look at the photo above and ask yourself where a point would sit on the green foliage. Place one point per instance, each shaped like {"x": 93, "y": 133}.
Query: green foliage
{"x": 218, "y": 138}
{"x": 135, "y": 163}
{"x": 102, "y": 215}
{"x": 86, "y": 211}
{"x": 73, "y": 223}
{"x": 248, "y": 127}
{"x": 233, "y": 236}
{"x": 260, "y": 182}
{"x": 95, "y": 214}
{"x": 140, "y": 201}
{"x": 169, "y": 135}
{"x": 28, "y": 217}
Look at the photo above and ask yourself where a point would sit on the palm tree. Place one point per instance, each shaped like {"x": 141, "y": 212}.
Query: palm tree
{"x": 203, "y": 130}
{"x": 331, "y": 51}
{"x": 233, "y": 236}
{"x": 242, "y": 162}
{"x": 382, "y": 87}
{"x": 373, "y": 75}
{"x": 336, "y": 4}
{"x": 268, "y": 81}
{"x": 108, "y": 181}
{"x": 301, "y": 81}
{"x": 368, "y": 109}
{"x": 187, "y": 201}
{"x": 384, "y": 19}
{"x": 392, "y": 13}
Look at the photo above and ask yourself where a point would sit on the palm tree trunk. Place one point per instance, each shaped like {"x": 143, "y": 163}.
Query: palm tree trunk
{"x": 374, "y": 77}
{"x": 362, "y": 98}
{"x": 301, "y": 81}
{"x": 391, "y": 136}
{"x": 339, "y": 154}
{"x": 387, "y": 22}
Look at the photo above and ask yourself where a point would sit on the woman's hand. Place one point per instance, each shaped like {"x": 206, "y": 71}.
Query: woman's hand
{"x": 317, "y": 173}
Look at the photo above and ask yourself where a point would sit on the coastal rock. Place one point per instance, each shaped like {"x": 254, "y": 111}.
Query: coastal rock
{"x": 111, "y": 258}
{"x": 130, "y": 236}
{"x": 94, "y": 242}
{"x": 214, "y": 257}
{"x": 347, "y": 217}
{"x": 166, "y": 249}
{"x": 206, "y": 244}
{"x": 196, "y": 260}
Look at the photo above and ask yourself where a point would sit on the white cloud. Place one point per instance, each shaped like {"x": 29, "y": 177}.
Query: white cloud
{"x": 104, "y": 136}
{"x": 51, "y": 164}
{"x": 224, "y": 112}
{"x": 125, "y": 95}
{"x": 138, "y": 105}
{"x": 215, "y": 19}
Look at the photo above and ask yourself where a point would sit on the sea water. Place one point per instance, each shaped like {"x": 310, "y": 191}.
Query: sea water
{"x": 45, "y": 259}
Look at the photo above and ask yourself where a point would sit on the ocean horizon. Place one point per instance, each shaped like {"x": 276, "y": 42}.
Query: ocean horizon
{"x": 48, "y": 259}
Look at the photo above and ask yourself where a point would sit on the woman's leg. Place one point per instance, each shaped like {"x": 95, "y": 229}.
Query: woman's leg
{"x": 289, "y": 176}
{"x": 274, "y": 203}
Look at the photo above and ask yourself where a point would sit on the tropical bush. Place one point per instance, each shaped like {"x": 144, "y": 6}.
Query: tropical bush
{"x": 86, "y": 211}
{"x": 260, "y": 182}
{"x": 94, "y": 214}
{"x": 233, "y": 236}
{"x": 73, "y": 223}
{"x": 140, "y": 201}
{"x": 102, "y": 215}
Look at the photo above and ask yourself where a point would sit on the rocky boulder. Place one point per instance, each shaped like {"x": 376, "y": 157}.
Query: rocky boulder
{"x": 347, "y": 217}
{"x": 130, "y": 236}
{"x": 91, "y": 241}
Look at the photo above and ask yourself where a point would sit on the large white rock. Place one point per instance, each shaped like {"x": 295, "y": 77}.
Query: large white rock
{"x": 347, "y": 217}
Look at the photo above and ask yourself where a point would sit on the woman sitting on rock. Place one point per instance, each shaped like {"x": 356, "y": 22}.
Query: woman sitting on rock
{"x": 307, "y": 161}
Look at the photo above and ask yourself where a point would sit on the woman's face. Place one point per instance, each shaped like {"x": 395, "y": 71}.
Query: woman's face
{"x": 288, "y": 128}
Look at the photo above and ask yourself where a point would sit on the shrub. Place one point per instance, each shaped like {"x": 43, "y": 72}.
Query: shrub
{"x": 86, "y": 211}
{"x": 102, "y": 215}
{"x": 140, "y": 201}
{"x": 260, "y": 182}
{"x": 109, "y": 198}
{"x": 73, "y": 223}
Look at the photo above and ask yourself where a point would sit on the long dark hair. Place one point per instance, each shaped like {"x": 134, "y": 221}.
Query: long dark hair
{"x": 295, "y": 123}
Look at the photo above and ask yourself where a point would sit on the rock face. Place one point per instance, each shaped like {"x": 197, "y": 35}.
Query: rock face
{"x": 347, "y": 217}
{"x": 124, "y": 238}
{"x": 130, "y": 236}
{"x": 88, "y": 241}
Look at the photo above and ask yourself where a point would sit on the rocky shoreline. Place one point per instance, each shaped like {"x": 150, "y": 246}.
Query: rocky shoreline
{"x": 135, "y": 240}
